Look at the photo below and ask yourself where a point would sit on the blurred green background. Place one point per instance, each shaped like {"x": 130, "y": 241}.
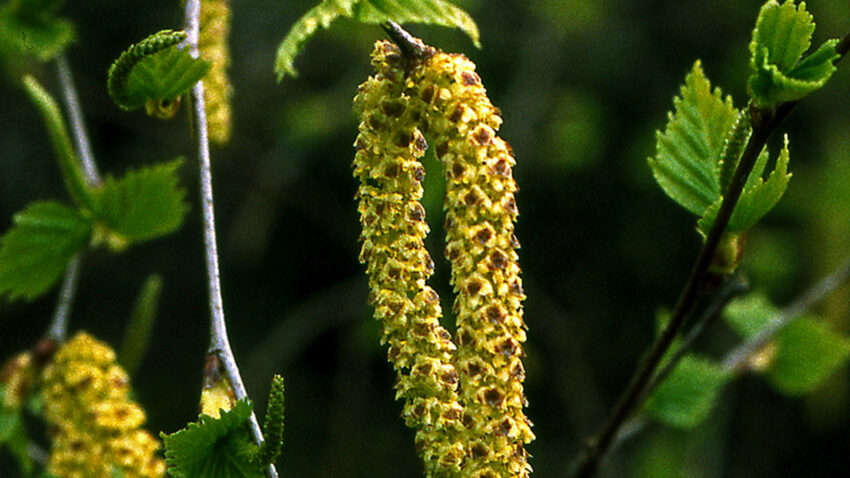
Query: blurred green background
{"x": 582, "y": 86}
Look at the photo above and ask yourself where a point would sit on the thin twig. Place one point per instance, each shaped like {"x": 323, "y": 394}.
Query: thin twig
{"x": 731, "y": 289}
{"x": 411, "y": 47}
{"x": 765, "y": 122}
{"x": 75, "y": 114}
{"x": 736, "y": 360}
{"x": 219, "y": 343}
{"x": 58, "y": 328}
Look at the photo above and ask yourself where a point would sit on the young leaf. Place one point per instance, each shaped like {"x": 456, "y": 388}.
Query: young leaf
{"x": 687, "y": 395}
{"x": 138, "y": 331}
{"x": 26, "y": 32}
{"x": 758, "y": 197}
{"x": 750, "y": 314}
{"x": 142, "y": 205}
{"x": 782, "y": 34}
{"x": 437, "y": 12}
{"x": 35, "y": 252}
{"x": 807, "y": 354}
{"x": 214, "y": 447}
{"x": 72, "y": 172}
{"x": 688, "y": 152}
{"x": 154, "y": 73}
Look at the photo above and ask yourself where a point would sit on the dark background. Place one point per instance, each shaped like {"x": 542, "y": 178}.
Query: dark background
{"x": 582, "y": 86}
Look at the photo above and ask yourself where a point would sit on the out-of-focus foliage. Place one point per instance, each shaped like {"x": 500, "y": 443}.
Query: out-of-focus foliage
{"x": 602, "y": 247}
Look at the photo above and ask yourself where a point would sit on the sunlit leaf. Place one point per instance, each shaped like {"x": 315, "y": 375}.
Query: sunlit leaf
{"x": 758, "y": 197}
{"x": 214, "y": 447}
{"x": 782, "y": 35}
{"x": 688, "y": 152}
{"x": 35, "y": 252}
{"x": 144, "y": 204}
{"x": 436, "y": 12}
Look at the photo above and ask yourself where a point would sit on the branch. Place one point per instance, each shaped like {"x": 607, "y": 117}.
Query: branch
{"x": 219, "y": 343}
{"x": 736, "y": 360}
{"x": 75, "y": 114}
{"x": 58, "y": 328}
{"x": 765, "y": 122}
{"x": 411, "y": 47}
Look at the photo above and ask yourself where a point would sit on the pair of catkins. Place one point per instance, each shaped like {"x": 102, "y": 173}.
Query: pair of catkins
{"x": 464, "y": 399}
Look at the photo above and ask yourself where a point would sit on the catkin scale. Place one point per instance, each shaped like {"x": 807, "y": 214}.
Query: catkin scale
{"x": 387, "y": 163}
{"x": 95, "y": 427}
{"x": 212, "y": 45}
{"x": 481, "y": 246}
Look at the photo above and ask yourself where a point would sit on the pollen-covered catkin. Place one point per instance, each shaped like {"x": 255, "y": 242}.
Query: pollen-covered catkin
{"x": 212, "y": 44}
{"x": 481, "y": 246}
{"x": 95, "y": 427}
{"x": 387, "y": 164}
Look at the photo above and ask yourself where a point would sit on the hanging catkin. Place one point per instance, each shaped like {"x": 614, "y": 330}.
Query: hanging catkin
{"x": 481, "y": 246}
{"x": 387, "y": 164}
{"x": 212, "y": 44}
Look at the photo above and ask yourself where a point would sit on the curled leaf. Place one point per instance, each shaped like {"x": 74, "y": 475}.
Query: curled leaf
{"x": 154, "y": 73}
{"x": 435, "y": 12}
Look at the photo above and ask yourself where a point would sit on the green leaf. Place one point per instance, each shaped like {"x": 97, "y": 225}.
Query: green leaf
{"x": 687, "y": 395}
{"x": 35, "y": 252}
{"x": 214, "y": 447}
{"x": 782, "y": 34}
{"x": 437, "y": 12}
{"x": 72, "y": 171}
{"x": 144, "y": 204}
{"x": 749, "y": 315}
{"x": 688, "y": 152}
{"x": 13, "y": 433}
{"x": 807, "y": 354}
{"x": 40, "y": 35}
{"x": 758, "y": 197}
{"x": 138, "y": 332}
{"x": 155, "y": 71}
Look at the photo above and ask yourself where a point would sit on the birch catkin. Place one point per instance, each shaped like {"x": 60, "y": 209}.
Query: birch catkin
{"x": 387, "y": 164}
{"x": 481, "y": 246}
{"x": 95, "y": 426}
{"x": 212, "y": 44}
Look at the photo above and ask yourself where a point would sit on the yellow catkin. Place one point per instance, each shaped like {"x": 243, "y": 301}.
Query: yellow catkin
{"x": 481, "y": 246}
{"x": 94, "y": 426}
{"x": 16, "y": 377}
{"x": 212, "y": 43}
{"x": 387, "y": 163}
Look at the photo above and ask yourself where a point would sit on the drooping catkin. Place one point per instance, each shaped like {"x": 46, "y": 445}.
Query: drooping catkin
{"x": 95, "y": 427}
{"x": 481, "y": 246}
{"x": 212, "y": 43}
{"x": 387, "y": 164}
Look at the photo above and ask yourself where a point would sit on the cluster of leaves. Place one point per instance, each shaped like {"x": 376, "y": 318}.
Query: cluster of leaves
{"x": 222, "y": 447}
{"x": 697, "y": 153}
{"x": 143, "y": 204}
{"x": 437, "y": 12}
{"x": 696, "y": 157}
